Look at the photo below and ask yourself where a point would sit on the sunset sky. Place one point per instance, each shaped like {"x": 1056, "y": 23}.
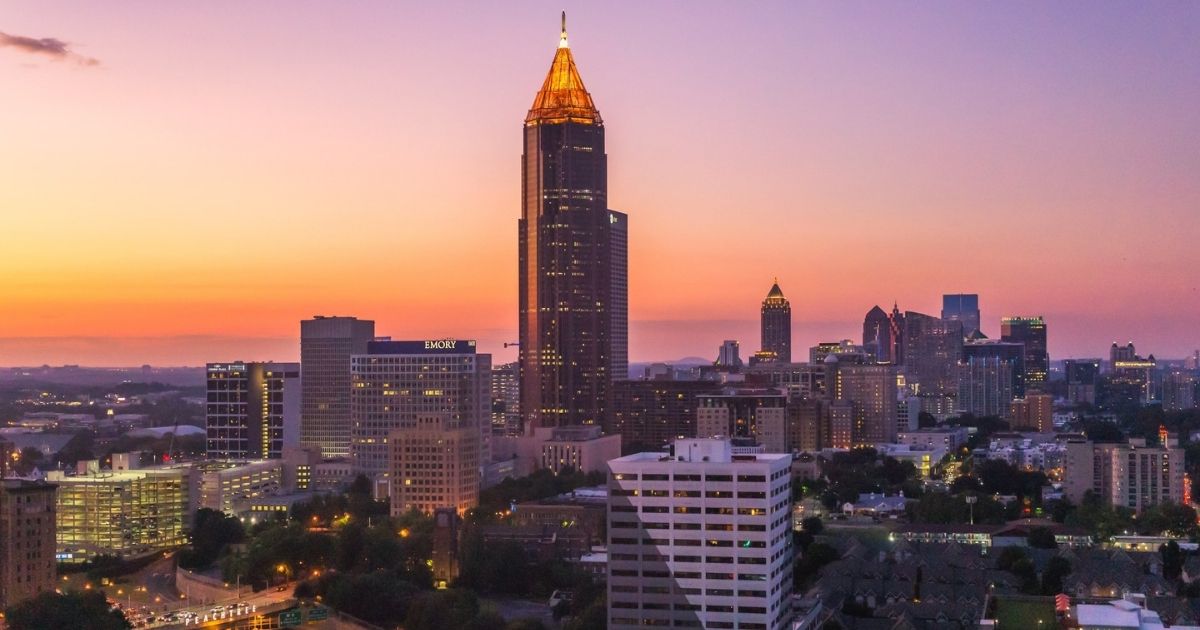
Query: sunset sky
{"x": 184, "y": 182}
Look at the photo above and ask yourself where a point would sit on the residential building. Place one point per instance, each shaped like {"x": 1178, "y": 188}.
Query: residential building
{"x": 252, "y": 409}
{"x": 1035, "y": 411}
{"x": 572, "y": 266}
{"x": 701, "y": 538}
{"x": 744, "y": 413}
{"x": 27, "y": 540}
{"x": 872, "y": 392}
{"x": 985, "y": 387}
{"x": 1134, "y": 475}
{"x": 506, "y": 399}
{"x": 776, "y": 320}
{"x": 326, "y": 345}
{"x": 654, "y": 413}
{"x": 1030, "y": 331}
{"x": 1179, "y": 390}
{"x": 396, "y": 384}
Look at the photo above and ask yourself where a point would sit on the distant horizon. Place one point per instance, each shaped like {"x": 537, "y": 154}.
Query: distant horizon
{"x": 177, "y": 175}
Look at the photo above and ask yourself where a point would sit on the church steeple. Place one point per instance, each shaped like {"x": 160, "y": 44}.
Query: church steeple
{"x": 563, "y": 98}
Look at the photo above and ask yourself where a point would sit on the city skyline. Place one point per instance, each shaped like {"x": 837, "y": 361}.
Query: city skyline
{"x": 135, "y": 218}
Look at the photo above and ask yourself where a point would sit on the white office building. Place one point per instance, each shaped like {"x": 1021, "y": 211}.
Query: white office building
{"x": 700, "y": 538}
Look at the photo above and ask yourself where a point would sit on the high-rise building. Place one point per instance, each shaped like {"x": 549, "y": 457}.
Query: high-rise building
{"x": 871, "y": 390}
{"x": 700, "y": 539}
{"x": 985, "y": 386}
{"x": 1179, "y": 390}
{"x": 744, "y": 413}
{"x": 655, "y": 413}
{"x": 506, "y": 399}
{"x": 326, "y": 345}
{"x": 618, "y": 228}
{"x": 877, "y": 334}
{"x": 807, "y": 425}
{"x": 568, "y": 305}
{"x": 843, "y": 350}
{"x": 1030, "y": 331}
{"x": 962, "y": 307}
{"x": 729, "y": 355}
{"x": 1035, "y": 411}
{"x": 434, "y": 464}
{"x": 776, "y": 320}
{"x": 1013, "y": 353}
{"x": 253, "y": 409}
{"x": 1121, "y": 353}
{"x": 1082, "y": 376}
{"x": 27, "y": 540}
{"x": 932, "y": 350}
{"x": 1133, "y": 475}
{"x": 398, "y": 384}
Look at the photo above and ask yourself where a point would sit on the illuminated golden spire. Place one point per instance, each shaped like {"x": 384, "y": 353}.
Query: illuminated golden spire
{"x": 563, "y": 98}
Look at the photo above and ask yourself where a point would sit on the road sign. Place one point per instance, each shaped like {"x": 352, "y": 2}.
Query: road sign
{"x": 289, "y": 618}
{"x": 318, "y": 613}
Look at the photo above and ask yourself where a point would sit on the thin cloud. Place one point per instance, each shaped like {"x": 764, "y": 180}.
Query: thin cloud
{"x": 49, "y": 46}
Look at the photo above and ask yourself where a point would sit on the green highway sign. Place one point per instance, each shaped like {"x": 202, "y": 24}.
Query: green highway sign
{"x": 317, "y": 613}
{"x": 289, "y": 618}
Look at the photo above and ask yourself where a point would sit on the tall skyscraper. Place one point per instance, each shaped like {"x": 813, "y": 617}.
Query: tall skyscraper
{"x": 1013, "y": 353}
{"x": 700, "y": 539}
{"x": 326, "y": 345}
{"x": 1030, "y": 331}
{"x": 962, "y": 307}
{"x": 1082, "y": 375}
{"x": 932, "y": 350}
{"x": 569, "y": 306}
{"x": 985, "y": 386}
{"x": 253, "y": 409}
{"x": 400, "y": 385}
{"x": 618, "y": 225}
{"x": 877, "y": 334}
{"x": 777, "y": 324}
{"x": 506, "y": 399}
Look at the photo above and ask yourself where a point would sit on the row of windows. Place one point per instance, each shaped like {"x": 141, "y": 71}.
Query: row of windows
{"x": 690, "y": 575}
{"x": 719, "y": 527}
{"x": 693, "y": 477}
{"x": 687, "y": 623}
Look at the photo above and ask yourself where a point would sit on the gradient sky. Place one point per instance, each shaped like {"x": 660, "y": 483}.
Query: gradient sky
{"x": 225, "y": 169}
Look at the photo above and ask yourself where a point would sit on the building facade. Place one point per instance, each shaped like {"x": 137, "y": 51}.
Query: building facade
{"x": 326, "y": 345}
{"x": 962, "y": 307}
{"x": 985, "y": 387}
{"x": 397, "y": 384}
{"x": 124, "y": 513}
{"x": 776, "y": 325}
{"x": 1082, "y": 376}
{"x": 655, "y": 413}
{"x": 506, "y": 399}
{"x": 932, "y": 350}
{"x": 1033, "y": 412}
{"x": 570, "y": 273}
{"x": 252, "y": 409}
{"x": 700, "y": 539}
{"x": 871, "y": 392}
{"x": 1031, "y": 332}
{"x": 27, "y": 540}
{"x": 434, "y": 464}
{"x": 1134, "y": 475}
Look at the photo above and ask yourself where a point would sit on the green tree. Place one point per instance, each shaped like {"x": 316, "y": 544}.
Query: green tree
{"x": 1052, "y": 577}
{"x": 87, "y": 611}
{"x": 1042, "y": 538}
{"x": 1172, "y": 558}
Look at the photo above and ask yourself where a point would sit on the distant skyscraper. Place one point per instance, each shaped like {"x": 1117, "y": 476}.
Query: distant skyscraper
{"x": 1034, "y": 411}
{"x": 618, "y": 227}
{"x": 1013, "y": 353}
{"x": 985, "y": 386}
{"x": 877, "y": 334}
{"x": 932, "y": 350}
{"x": 871, "y": 390}
{"x": 1121, "y": 353}
{"x": 1082, "y": 376}
{"x": 253, "y": 409}
{"x": 506, "y": 399}
{"x": 398, "y": 385}
{"x": 777, "y": 324}
{"x": 1030, "y": 331}
{"x": 571, "y": 315}
{"x": 728, "y": 355}
{"x": 962, "y": 307}
{"x": 1179, "y": 390}
{"x": 326, "y": 345}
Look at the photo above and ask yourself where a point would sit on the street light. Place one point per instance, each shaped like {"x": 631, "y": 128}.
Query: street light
{"x": 971, "y": 499}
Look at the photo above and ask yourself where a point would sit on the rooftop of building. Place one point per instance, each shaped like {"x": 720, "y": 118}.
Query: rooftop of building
{"x": 563, "y": 97}
{"x": 704, "y": 450}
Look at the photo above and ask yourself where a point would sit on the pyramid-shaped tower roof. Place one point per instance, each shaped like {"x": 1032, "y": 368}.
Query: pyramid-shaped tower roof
{"x": 563, "y": 98}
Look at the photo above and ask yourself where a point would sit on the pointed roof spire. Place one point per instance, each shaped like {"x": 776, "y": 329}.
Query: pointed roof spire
{"x": 775, "y": 291}
{"x": 563, "y": 98}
